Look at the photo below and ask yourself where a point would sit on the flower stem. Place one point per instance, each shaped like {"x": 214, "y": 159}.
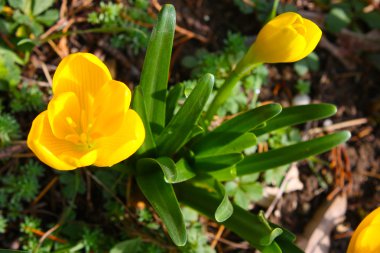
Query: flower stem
{"x": 241, "y": 70}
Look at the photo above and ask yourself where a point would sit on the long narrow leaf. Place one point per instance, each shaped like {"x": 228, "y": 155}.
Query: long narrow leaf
{"x": 155, "y": 72}
{"x": 238, "y": 145}
{"x": 172, "y": 100}
{"x": 217, "y": 162}
{"x": 162, "y": 198}
{"x": 277, "y": 157}
{"x": 175, "y": 172}
{"x": 234, "y": 128}
{"x": 139, "y": 106}
{"x": 225, "y": 208}
{"x": 296, "y": 115}
{"x": 247, "y": 225}
{"x": 175, "y": 134}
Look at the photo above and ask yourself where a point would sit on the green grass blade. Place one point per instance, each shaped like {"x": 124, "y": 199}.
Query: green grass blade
{"x": 277, "y": 157}
{"x": 162, "y": 198}
{"x": 296, "y": 115}
{"x": 155, "y": 72}
{"x": 175, "y": 134}
{"x": 234, "y": 128}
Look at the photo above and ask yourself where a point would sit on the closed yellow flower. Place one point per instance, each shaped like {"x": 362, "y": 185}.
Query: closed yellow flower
{"x": 366, "y": 236}
{"x": 88, "y": 120}
{"x": 286, "y": 38}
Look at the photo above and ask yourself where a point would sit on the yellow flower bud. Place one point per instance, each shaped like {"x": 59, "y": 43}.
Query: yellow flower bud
{"x": 366, "y": 236}
{"x": 88, "y": 121}
{"x": 286, "y": 38}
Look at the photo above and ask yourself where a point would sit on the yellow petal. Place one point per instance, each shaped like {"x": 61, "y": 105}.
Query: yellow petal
{"x": 365, "y": 237}
{"x": 275, "y": 44}
{"x": 81, "y": 73}
{"x": 64, "y": 115}
{"x": 57, "y": 153}
{"x": 110, "y": 105}
{"x": 313, "y": 36}
{"x": 368, "y": 240}
{"x": 286, "y": 38}
{"x": 116, "y": 148}
{"x": 285, "y": 19}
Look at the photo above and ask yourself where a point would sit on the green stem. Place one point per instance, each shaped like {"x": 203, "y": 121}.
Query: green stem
{"x": 241, "y": 70}
{"x": 256, "y": 93}
{"x": 273, "y": 11}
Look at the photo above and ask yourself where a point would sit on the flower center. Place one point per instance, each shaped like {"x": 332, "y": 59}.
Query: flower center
{"x": 80, "y": 134}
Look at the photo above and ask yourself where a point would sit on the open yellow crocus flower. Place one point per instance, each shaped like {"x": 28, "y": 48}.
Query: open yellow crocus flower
{"x": 287, "y": 38}
{"x": 366, "y": 236}
{"x": 88, "y": 120}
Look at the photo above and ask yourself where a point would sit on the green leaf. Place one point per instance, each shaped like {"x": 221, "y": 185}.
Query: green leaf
{"x": 197, "y": 130}
{"x": 224, "y": 174}
{"x": 337, "y": 19}
{"x": 175, "y": 134}
{"x": 36, "y": 28}
{"x": 371, "y": 18}
{"x": 245, "y": 190}
{"x": 311, "y": 62}
{"x": 139, "y": 106}
{"x": 172, "y": 100}
{"x": 9, "y": 70}
{"x": 127, "y": 246}
{"x": 225, "y": 208}
{"x": 162, "y": 198}
{"x": 217, "y": 162}
{"x": 41, "y": 6}
{"x": 155, "y": 72}
{"x": 241, "y": 143}
{"x": 230, "y": 130}
{"x": 288, "y": 246}
{"x": 175, "y": 172}
{"x": 26, "y": 41}
{"x": 275, "y": 175}
{"x": 296, "y": 115}
{"x": 249, "y": 226}
{"x": 277, "y": 157}
{"x": 48, "y": 18}
{"x": 23, "y": 5}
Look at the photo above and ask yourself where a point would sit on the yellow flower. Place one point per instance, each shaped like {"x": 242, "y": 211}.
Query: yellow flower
{"x": 88, "y": 120}
{"x": 286, "y": 38}
{"x": 366, "y": 237}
